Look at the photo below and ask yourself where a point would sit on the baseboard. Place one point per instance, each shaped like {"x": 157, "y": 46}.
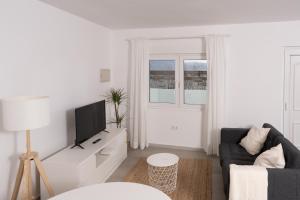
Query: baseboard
{"x": 176, "y": 147}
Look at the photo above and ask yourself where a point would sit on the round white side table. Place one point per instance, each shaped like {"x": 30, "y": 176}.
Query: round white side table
{"x": 162, "y": 171}
{"x": 113, "y": 191}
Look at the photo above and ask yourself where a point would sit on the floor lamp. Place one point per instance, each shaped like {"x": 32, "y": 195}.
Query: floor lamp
{"x": 25, "y": 114}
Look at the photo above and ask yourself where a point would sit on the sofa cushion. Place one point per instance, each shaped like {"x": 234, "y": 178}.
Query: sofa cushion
{"x": 254, "y": 141}
{"x": 234, "y": 152}
{"x": 273, "y": 129}
{"x": 272, "y": 138}
{"x": 283, "y": 184}
{"x": 272, "y": 158}
{"x": 291, "y": 154}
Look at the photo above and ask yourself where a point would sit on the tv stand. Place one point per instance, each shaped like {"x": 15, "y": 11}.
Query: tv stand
{"x": 72, "y": 168}
{"x": 77, "y": 145}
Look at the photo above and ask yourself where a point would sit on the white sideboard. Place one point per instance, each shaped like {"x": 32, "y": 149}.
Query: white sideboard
{"x": 72, "y": 168}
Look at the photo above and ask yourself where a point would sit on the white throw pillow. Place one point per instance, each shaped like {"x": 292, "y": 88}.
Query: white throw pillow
{"x": 254, "y": 140}
{"x": 272, "y": 158}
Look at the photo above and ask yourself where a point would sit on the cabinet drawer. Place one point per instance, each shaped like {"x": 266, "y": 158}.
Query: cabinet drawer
{"x": 87, "y": 171}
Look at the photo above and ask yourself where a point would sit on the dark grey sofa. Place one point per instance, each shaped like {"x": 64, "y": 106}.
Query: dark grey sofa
{"x": 283, "y": 184}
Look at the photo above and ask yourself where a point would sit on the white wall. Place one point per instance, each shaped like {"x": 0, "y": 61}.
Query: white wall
{"x": 45, "y": 51}
{"x": 254, "y": 86}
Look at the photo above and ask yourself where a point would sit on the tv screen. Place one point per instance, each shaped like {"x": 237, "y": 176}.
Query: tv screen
{"x": 89, "y": 120}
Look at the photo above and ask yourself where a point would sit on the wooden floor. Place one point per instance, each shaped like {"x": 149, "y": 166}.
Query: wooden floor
{"x": 135, "y": 155}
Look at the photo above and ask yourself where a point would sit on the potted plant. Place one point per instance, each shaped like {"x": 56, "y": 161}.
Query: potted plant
{"x": 116, "y": 97}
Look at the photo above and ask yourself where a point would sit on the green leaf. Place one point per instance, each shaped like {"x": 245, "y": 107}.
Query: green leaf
{"x": 117, "y": 97}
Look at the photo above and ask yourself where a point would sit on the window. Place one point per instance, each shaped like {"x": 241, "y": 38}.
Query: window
{"x": 162, "y": 81}
{"x": 178, "y": 79}
{"x": 195, "y": 75}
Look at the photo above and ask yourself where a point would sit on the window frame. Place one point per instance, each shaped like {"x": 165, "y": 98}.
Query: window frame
{"x": 179, "y": 80}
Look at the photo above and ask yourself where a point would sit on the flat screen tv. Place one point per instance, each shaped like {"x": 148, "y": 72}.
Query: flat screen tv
{"x": 89, "y": 121}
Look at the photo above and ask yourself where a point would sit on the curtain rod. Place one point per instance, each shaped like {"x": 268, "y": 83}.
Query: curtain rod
{"x": 183, "y": 37}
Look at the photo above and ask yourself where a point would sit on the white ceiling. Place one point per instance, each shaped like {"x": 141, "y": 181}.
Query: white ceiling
{"x": 122, "y": 14}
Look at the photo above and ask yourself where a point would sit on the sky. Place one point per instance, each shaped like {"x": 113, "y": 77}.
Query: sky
{"x": 169, "y": 65}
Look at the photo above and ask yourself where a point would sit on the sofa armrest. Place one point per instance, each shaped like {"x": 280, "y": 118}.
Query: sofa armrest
{"x": 233, "y": 135}
{"x": 284, "y": 184}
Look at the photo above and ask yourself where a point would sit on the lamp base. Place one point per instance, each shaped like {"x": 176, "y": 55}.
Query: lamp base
{"x": 24, "y": 172}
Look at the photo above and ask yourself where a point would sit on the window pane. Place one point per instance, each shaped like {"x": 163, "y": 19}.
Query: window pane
{"x": 162, "y": 81}
{"x": 195, "y": 76}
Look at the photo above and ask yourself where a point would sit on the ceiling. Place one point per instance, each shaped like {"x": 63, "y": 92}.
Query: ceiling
{"x": 126, "y": 14}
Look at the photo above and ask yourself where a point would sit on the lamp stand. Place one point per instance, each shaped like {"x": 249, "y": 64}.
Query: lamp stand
{"x": 24, "y": 173}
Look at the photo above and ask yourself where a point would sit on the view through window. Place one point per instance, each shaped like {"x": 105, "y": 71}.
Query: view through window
{"x": 195, "y": 76}
{"x": 162, "y": 81}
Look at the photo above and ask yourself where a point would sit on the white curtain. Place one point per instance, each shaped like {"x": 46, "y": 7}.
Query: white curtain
{"x": 137, "y": 96}
{"x": 215, "y": 107}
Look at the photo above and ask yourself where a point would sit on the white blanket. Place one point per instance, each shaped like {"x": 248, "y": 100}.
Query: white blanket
{"x": 248, "y": 182}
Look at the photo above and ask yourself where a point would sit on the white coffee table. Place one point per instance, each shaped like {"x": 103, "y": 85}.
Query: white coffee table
{"x": 162, "y": 171}
{"x": 113, "y": 191}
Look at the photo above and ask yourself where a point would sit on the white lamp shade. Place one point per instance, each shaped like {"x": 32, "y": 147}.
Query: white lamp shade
{"x": 25, "y": 112}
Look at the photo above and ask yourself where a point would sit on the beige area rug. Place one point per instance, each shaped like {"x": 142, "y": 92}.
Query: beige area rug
{"x": 194, "y": 181}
